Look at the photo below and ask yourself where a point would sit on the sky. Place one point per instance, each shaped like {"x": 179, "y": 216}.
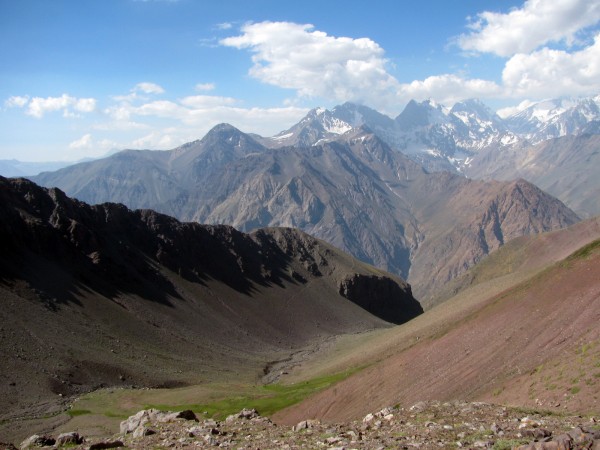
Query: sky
{"x": 82, "y": 78}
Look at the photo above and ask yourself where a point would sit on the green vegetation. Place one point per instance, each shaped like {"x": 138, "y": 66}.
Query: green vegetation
{"x": 584, "y": 251}
{"x": 267, "y": 400}
{"x": 575, "y": 389}
{"x": 78, "y": 412}
{"x": 542, "y": 412}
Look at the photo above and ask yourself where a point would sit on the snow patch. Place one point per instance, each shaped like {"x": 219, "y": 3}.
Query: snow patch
{"x": 282, "y": 136}
{"x": 336, "y": 126}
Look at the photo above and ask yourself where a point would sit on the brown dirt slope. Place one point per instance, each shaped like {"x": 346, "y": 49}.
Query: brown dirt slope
{"x": 95, "y": 296}
{"x": 521, "y": 257}
{"x": 536, "y": 344}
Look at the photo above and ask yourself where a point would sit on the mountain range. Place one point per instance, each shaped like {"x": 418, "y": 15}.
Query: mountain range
{"x": 352, "y": 190}
{"x": 473, "y": 140}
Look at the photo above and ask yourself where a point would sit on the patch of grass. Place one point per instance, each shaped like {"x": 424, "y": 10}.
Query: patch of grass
{"x": 498, "y": 391}
{"x": 267, "y": 400}
{"x": 542, "y": 412}
{"x": 78, "y": 412}
{"x": 574, "y": 390}
{"x": 584, "y": 251}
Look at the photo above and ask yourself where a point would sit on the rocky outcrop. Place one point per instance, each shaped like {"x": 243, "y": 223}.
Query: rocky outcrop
{"x": 136, "y": 424}
{"x": 380, "y": 296}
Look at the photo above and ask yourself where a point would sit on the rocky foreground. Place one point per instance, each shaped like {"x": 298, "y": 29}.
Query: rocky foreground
{"x": 425, "y": 425}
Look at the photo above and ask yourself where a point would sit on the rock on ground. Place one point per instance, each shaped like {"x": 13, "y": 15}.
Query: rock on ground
{"x": 426, "y": 425}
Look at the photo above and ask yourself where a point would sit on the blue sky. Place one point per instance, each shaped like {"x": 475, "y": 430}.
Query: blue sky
{"x": 80, "y": 78}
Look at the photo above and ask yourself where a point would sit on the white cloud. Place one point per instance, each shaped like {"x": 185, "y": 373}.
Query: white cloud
{"x": 160, "y": 108}
{"x": 84, "y": 142}
{"x": 552, "y": 73}
{"x": 205, "y": 87}
{"x": 155, "y": 140}
{"x": 510, "y": 110}
{"x": 295, "y": 56}
{"x": 525, "y": 29}
{"x": 224, "y": 26}
{"x": 16, "y": 101}
{"x": 87, "y": 146}
{"x": 85, "y": 104}
{"x": 448, "y": 89}
{"x": 148, "y": 88}
{"x": 39, "y": 106}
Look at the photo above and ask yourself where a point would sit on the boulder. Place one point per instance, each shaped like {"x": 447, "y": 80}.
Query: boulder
{"x": 142, "y": 431}
{"x": 243, "y": 414}
{"x": 37, "y": 441}
{"x": 305, "y": 424}
{"x": 70, "y": 438}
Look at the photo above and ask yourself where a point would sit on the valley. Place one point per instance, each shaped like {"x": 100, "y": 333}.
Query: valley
{"x": 206, "y": 337}
{"x": 110, "y": 310}
{"x": 300, "y": 225}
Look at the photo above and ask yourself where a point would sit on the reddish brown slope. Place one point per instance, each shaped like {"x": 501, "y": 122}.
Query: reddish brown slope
{"x": 495, "y": 353}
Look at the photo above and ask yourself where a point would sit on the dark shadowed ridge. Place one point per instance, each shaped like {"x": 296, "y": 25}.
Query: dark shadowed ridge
{"x": 120, "y": 244}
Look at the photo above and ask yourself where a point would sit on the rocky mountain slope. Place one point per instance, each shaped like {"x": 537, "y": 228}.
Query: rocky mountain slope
{"x": 552, "y": 143}
{"x": 354, "y": 192}
{"x": 530, "y": 341}
{"x": 97, "y": 296}
{"x": 566, "y": 167}
{"x": 551, "y": 372}
{"x": 444, "y": 138}
{"x": 520, "y": 258}
{"x": 555, "y": 118}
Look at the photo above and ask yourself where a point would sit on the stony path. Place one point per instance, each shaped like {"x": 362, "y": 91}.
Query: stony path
{"x": 426, "y": 425}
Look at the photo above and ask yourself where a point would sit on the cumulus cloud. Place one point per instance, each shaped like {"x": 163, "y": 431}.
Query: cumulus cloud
{"x": 510, "y": 110}
{"x": 317, "y": 65}
{"x": 548, "y": 73}
{"x": 148, "y": 88}
{"x": 525, "y": 29}
{"x": 140, "y": 88}
{"x": 156, "y": 140}
{"x": 39, "y": 106}
{"x": 160, "y": 108}
{"x": 87, "y": 146}
{"x": 449, "y": 89}
{"x": 16, "y": 101}
{"x": 296, "y": 56}
{"x": 83, "y": 142}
